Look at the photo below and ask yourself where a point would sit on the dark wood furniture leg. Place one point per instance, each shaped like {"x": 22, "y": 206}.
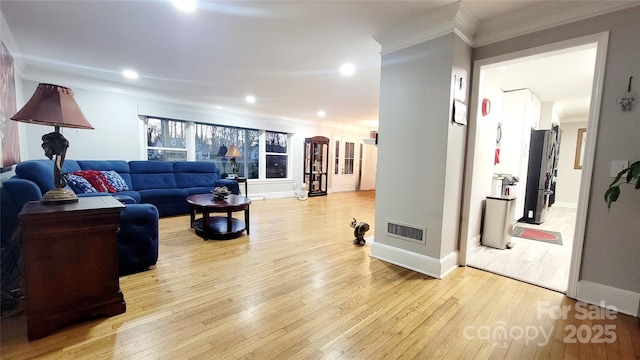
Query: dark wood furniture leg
{"x": 205, "y": 225}
{"x": 246, "y": 219}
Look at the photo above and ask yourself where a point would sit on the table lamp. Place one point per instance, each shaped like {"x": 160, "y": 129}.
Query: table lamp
{"x": 54, "y": 105}
{"x": 233, "y": 153}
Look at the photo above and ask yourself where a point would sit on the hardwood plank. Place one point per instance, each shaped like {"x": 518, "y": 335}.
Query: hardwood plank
{"x": 298, "y": 288}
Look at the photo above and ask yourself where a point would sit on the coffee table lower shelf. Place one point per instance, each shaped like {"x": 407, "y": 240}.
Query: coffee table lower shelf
{"x": 220, "y": 228}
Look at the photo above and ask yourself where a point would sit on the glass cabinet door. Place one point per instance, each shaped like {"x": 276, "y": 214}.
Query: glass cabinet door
{"x": 315, "y": 165}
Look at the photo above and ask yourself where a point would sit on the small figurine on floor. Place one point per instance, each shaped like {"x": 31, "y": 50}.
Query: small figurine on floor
{"x": 359, "y": 229}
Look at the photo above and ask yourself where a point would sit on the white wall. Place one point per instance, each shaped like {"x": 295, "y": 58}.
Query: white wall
{"x": 548, "y": 116}
{"x": 456, "y": 140}
{"x": 119, "y": 133}
{"x": 568, "y": 184}
{"x": 412, "y": 141}
{"x": 482, "y": 167}
{"x": 421, "y": 153}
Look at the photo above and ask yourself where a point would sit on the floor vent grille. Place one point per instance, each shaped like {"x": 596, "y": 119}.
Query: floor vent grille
{"x": 407, "y": 232}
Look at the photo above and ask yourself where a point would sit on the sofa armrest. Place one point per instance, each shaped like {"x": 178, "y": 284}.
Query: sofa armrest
{"x": 125, "y": 199}
{"x": 232, "y": 185}
{"x": 138, "y": 238}
{"x": 14, "y": 194}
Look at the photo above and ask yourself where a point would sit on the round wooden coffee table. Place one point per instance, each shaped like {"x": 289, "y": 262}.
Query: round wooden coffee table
{"x": 218, "y": 227}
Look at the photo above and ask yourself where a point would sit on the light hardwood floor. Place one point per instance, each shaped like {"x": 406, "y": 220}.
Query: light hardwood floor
{"x": 298, "y": 288}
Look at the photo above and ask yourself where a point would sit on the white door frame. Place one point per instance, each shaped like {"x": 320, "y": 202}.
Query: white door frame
{"x": 601, "y": 39}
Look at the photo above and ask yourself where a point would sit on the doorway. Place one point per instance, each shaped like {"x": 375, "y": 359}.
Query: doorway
{"x": 346, "y": 164}
{"x": 481, "y": 154}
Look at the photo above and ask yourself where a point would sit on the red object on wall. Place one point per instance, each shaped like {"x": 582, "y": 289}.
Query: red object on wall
{"x": 486, "y": 106}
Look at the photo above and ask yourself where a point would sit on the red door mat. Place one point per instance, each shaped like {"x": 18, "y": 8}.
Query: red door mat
{"x": 551, "y": 237}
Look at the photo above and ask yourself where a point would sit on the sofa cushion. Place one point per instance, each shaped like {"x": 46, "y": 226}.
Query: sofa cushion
{"x": 162, "y": 196}
{"x": 195, "y": 174}
{"x": 41, "y": 172}
{"x": 147, "y": 175}
{"x": 96, "y": 179}
{"x": 115, "y": 180}
{"x": 79, "y": 185}
{"x": 119, "y": 166}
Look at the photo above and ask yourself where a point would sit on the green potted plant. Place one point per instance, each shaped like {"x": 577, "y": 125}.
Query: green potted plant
{"x": 632, "y": 177}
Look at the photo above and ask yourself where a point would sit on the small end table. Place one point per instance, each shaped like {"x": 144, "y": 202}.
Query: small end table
{"x": 70, "y": 256}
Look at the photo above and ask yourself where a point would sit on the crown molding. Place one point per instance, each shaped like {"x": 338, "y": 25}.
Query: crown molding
{"x": 543, "y": 16}
{"x": 457, "y": 18}
{"x": 454, "y": 18}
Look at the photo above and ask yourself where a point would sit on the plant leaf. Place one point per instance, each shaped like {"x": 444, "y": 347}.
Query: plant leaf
{"x": 619, "y": 176}
{"x": 612, "y": 195}
{"x": 634, "y": 171}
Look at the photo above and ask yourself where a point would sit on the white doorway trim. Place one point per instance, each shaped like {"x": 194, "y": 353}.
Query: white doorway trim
{"x": 468, "y": 240}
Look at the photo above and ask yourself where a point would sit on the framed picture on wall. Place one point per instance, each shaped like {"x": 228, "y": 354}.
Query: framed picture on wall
{"x": 581, "y": 142}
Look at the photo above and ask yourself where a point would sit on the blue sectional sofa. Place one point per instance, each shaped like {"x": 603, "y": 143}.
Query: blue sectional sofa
{"x": 156, "y": 188}
{"x": 164, "y": 184}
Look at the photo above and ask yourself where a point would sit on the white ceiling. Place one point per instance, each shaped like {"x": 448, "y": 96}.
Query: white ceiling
{"x": 564, "y": 78}
{"x": 285, "y": 53}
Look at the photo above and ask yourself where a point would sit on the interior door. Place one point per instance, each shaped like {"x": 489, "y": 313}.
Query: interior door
{"x": 345, "y": 164}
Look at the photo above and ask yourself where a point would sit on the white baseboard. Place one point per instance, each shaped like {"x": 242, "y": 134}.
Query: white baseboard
{"x": 272, "y": 195}
{"x": 369, "y": 240}
{"x": 437, "y": 268}
{"x": 475, "y": 241}
{"x": 625, "y": 301}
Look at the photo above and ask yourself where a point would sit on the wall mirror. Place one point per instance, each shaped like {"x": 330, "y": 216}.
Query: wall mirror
{"x": 581, "y": 141}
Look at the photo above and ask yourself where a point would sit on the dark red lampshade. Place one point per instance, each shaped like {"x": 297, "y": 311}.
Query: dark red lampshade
{"x": 53, "y": 105}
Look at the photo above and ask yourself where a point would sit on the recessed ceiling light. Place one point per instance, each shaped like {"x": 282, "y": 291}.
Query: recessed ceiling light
{"x": 185, "y": 5}
{"x": 250, "y": 99}
{"x": 130, "y": 74}
{"x": 322, "y": 113}
{"x": 347, "y": 69}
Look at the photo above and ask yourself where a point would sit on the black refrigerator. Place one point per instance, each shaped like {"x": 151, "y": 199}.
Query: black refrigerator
{"x": 540, "y": 175}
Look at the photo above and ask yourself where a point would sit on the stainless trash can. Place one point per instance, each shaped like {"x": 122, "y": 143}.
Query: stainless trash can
{"x": 498, "y": 221}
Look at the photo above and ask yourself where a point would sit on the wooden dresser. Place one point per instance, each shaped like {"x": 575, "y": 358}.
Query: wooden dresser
{"x": 70, "y": 259}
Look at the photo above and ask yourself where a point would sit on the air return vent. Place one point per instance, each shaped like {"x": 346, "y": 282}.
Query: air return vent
{"x": 407, "y": 232}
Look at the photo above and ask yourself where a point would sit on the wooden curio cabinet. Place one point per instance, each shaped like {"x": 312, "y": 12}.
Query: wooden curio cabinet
{"x": 316, "y": 162}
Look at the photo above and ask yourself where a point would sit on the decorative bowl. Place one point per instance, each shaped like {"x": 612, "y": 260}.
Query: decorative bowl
{"x": 220, "y": 192}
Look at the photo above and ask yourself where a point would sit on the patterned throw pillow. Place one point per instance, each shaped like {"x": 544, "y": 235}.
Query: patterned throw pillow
{"x": 115, "y": 180}
{"x": 97, "y": 179}
{"x": 79, "y": 185}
